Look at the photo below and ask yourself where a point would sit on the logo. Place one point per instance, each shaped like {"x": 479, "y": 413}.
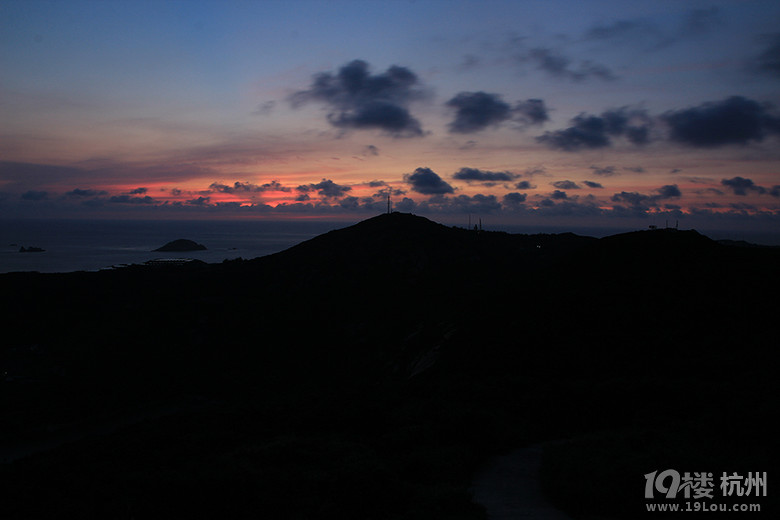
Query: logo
{"x": 700, "y": 490}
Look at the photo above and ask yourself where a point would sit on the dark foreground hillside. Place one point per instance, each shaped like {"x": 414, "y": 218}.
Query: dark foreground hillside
{"x": 368, "y": 373}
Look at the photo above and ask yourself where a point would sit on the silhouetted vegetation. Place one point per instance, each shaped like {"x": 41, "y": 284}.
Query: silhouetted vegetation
{"x": 366, "y": 373}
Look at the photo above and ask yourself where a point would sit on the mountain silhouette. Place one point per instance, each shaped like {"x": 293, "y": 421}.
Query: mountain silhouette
{"x": 402, "y": 245}
{"x": 372, "y": 370}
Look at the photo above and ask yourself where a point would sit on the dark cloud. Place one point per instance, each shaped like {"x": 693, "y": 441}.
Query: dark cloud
{"x": 393, "y": 119}
{"x": 371, "y": 150}
{"x": 427, "y": 182}
{"x": 630, "y": 197}
{"x": 129, "y": 199}
{"x": 200, "y": 201}
{"x": 382, "y": 194}
{"x": 585, "y": 132}
{"x": 566, "y": 208}
{"x": 741, "y": 185}
{"x": 475, "y": 111}
{"x": 223, "y": 188}
{"x": 138, "y": 191}
{"x": 479, "y": 203}
{"x": 79, "y": 192}
{"x": 742, "y": 206}
{"x": 566, "y": 185}
{"x": 474, "y": 174}
{"x": 360, "y": 100}
{"x": 592, "y": 132}
{"x": 768, "y": 60}
{"x": 238, "y": 187}
{"x": 461, "y": 204}
{"x": 559, "y": 195}
{"x": 669, "y": 191}
{"x": 406, "y": 205}
{"x": 604, "y": 171}
{"x": 94, "y": 202}
{"x": 775, "y": 191}
{"x": 530, "y": 112}
{"x": 524, "y": 185}
{"x": 274, "y": 185}
{"x": 633, "y": 198}
{"x": 560, "y": 66}
{"x": 350, "y": 203}
{"x": 632, "y": 123}
{"x": 35, "y": 195}
{"x": 536, "y": 170}
{"x": 591, "y": 184}
{"x": 735, "y": 120}
{"x": 514, "y": 199}
{"x": 325, "y": 188}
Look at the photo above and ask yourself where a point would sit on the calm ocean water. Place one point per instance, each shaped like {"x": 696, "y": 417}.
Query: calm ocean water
{"x": 89, "y": 245}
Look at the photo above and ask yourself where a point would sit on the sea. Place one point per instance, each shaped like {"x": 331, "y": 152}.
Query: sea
{"x": 92, "y": 245}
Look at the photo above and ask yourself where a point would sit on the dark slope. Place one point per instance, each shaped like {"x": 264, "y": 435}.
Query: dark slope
{"x": 365, "y": 373}
{"x": 405, "y": 242}
{"x": 181, "y": 244}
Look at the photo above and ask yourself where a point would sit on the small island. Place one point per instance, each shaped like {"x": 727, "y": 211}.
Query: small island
{"x": 31, "y": 249}
{"x": 181, "y": 245}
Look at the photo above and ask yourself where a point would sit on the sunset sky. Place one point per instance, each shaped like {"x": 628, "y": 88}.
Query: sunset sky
{"x": 600, "y": 112}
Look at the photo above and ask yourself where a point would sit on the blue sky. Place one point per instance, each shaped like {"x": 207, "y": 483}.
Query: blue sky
{"x": 557, "y": 111}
